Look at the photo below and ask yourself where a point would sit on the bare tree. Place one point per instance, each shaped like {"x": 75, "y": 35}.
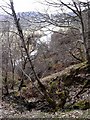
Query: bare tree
{"x": 12, "y": 60}
{"x": 42, "y": 87}
{"x": 5, "y": 58}
{"x": 79, "y": 13}
{"x": 73, "y": 19}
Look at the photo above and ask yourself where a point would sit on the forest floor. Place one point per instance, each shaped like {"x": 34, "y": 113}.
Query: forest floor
{"x": 8, "y": 110}
{"x": 16, "y": 106}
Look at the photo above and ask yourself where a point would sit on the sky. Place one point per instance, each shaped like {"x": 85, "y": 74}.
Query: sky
{"x": 25, "y": 5}
{"x": 29, "y": 5}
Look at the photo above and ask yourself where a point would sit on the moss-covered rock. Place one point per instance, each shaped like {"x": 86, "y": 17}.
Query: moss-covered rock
{"x": 67, "y": 75}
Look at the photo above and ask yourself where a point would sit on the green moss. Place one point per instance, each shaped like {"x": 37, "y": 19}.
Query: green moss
{"x": 53, "y": 86}
{"x": 16, "y": 93}
{"x": 82, "y": 104}
{"x": 61, "y": 94}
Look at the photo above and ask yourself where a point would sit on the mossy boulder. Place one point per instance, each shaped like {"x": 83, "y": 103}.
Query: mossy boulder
{"x": 67, "y": 75}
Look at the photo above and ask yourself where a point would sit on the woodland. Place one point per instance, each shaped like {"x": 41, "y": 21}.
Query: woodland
{"x": 45, "y": 61}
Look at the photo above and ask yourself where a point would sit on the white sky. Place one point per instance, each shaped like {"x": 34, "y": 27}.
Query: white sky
{"x": 25, "y": 5}
{"x": 29, "y": 5}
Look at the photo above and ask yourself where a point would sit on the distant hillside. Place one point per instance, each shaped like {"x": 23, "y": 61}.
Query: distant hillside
{"x": 32, "y": 20}
{"x": 28, "y": 20}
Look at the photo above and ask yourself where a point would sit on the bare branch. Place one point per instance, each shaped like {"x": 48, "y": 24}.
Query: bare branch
{"x": 5, "y": 11}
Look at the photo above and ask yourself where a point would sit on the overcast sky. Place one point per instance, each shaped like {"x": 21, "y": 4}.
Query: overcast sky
{"x": 25, "y": 5}
{"x": 29, "y": 5}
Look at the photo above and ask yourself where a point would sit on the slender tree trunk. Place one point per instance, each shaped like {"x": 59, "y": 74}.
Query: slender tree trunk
{"x": 13, "y": 82}
{"x": 6, "y": 86}
{"x": 88, "y": 39}
{"x": 43, "y": 89}
{"x": 22, "y": 78}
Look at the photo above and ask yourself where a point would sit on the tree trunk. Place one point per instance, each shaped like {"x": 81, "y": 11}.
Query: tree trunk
{"x": 6, "y": 86}
{"x": 88, "y": 38}
{"x": 43, "y": 89}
